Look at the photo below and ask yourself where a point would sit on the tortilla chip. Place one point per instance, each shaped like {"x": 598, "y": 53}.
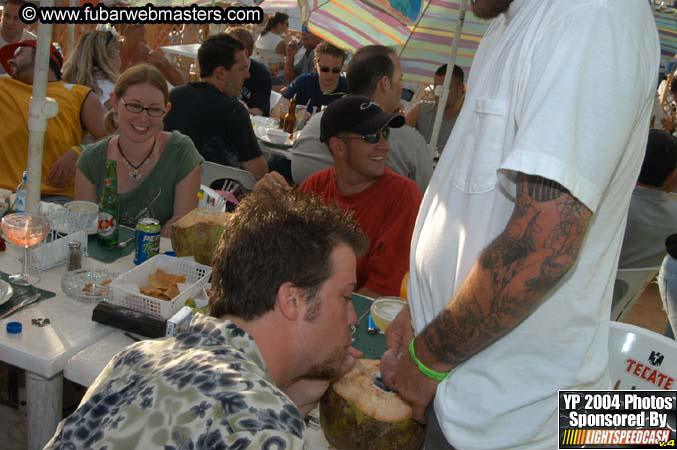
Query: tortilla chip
{"x": 163, "y": 285}
{"x": 172, "y": 291}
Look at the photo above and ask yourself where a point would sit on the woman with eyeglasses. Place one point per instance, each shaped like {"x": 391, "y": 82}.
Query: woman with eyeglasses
{"x": 158, "y": 172}
{"x": 321, "y": 87}
{"x": 95, "y": 62}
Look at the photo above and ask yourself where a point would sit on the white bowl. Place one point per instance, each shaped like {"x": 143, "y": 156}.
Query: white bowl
{"x": 277, "y": 136}
{"x": 85, "y": 213}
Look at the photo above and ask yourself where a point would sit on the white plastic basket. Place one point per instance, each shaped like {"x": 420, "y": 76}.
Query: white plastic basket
{"x": 126, "y": 287}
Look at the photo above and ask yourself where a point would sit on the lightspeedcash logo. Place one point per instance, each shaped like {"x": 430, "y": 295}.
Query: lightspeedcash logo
{"x": 102, "y": 14}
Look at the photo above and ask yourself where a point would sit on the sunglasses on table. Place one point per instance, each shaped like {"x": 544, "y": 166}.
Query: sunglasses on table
{"x": 135, "y": 108}
{"x": 326, "y": 69}
{"x": 373, "y": 138}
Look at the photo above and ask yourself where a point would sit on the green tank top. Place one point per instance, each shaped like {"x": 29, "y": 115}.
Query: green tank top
{"x": 154, "y": 196}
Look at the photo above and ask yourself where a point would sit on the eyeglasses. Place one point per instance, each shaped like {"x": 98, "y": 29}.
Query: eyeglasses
{"x": 138, "y": 109}
{"x": 373, "y": 138}
{"x": 326, "y": 69}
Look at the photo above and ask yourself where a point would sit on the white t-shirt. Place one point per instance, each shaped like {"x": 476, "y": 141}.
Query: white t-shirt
{"x": 652, "y": 217}
{"x": 268, "y": 41}
{"x": 564, "y": 90}
{"x": 107, "y": 87}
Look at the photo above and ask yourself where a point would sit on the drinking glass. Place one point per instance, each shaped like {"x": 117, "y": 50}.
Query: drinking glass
{"x": 25, "y": 230}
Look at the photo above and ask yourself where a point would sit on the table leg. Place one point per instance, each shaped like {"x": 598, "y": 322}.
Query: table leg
{"x": 44, "y": 399}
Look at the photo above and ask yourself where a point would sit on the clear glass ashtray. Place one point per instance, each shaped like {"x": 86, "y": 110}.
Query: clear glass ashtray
{"x": 88, "y": 285}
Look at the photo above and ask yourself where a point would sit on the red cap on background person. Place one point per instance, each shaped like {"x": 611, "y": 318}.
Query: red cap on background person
{"x": 7, "y": 53}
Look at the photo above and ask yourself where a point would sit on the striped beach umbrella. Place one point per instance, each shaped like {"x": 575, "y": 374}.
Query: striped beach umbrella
{"x": 423, "y": 45}
{"x": 666, "y": 22}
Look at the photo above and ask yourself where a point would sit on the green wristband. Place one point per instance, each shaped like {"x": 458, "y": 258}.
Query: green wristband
{"x": 430, "y": 373}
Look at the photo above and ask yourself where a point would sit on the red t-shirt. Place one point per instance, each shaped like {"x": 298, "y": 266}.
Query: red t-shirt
{"x": 386, "y": 211}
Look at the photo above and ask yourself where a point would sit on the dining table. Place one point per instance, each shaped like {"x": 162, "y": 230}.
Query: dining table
{"x": 43, "y": 347}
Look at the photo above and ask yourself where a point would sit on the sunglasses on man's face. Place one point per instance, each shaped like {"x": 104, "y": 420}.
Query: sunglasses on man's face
{"x": 373, "y": 138}
{"x": 326, "y": 69}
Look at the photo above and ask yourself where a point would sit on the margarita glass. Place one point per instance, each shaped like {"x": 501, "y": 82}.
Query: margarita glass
{"x": 25, "y": 230}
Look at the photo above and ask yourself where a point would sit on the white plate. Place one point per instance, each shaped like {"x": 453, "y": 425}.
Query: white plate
{"x": 6, "y": 291}
{"x": 260, "y": 133}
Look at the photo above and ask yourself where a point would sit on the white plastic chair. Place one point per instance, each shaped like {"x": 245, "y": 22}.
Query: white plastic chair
{"x": 212, "y": 171}
{"x": 641, "y": 359}
{"x": 274, "y": 98}
{"x": 630, "y": 283}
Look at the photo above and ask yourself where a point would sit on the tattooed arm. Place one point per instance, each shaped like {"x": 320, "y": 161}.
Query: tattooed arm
{"x": 512, "y": 276}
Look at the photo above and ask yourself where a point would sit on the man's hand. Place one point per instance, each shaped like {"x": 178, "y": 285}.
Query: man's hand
{"x": 62, "y": 173}
{"x": 156, "y": 57}
{"x": 398, "y": 370}
{"x": 291, "y": 50}
{"x": 306, "y": 393}
{"x": 400, "y": 332}
{"x": 273, "y": 182}
{"x": 401, "y": 374}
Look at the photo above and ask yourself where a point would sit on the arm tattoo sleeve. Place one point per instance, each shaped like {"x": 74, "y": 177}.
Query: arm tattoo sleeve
{"x": 514, "y": 273}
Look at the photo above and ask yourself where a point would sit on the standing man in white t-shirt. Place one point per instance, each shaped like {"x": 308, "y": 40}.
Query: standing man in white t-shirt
{"x": 517, "y": 241}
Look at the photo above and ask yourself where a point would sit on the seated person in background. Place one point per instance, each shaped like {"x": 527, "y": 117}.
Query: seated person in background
{"x": 306, "y": 62}
{"x": 12, "y": 28}
{"x": 384, "y": 203}
{"x": 321, "y": 87}
{"x": 244, "y": 376}
{"x": 652, "y": 215}
{"x": 95, "y": 62}
{"x": 256, "y": 89}
{"x": 79, "y": 109}
{"x": 158, "y": 172}
{"x": 667, "y": 283}
{"x": 374, "y": 72}
{"x": 208, "y": 112}
{"x": 135, "y": 50}
{"x": 272, "y": 38}
{"x": 422, "y": 115}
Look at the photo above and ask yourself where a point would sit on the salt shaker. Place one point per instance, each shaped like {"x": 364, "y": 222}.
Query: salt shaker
{"x": 74, "y": 255}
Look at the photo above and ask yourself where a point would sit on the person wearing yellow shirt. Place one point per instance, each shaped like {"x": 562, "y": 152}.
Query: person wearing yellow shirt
{"x": 78, "y": 111}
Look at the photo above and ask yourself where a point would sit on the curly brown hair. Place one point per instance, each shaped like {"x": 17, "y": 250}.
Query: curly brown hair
{"x": 274, "y": 238}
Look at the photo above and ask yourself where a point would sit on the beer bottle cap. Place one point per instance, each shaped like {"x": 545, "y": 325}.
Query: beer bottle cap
{"x": 14, "y": 327}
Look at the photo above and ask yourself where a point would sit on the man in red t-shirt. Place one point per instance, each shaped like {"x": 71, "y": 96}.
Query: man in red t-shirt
{"x": 384, "y": 203}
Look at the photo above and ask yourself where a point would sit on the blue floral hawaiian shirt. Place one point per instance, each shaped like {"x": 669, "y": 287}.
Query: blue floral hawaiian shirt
{"x": 208, "y": 388}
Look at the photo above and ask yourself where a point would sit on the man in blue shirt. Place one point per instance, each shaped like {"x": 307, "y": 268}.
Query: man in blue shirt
{"x": 321, "y": 87}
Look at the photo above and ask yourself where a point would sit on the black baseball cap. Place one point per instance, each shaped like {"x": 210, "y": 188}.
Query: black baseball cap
{"x": 660, "y": 158}
{"x": 357, "y": 114}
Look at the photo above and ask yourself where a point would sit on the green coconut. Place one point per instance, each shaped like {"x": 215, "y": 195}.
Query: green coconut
{"x": 355, "y": 414}
{"x": 197, "y": 234}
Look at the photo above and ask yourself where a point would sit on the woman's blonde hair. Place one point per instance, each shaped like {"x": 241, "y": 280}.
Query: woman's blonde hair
{"x": 139, "y": 74}
{"x": 95, "y": 49}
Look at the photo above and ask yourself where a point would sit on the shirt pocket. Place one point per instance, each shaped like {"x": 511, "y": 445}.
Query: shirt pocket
{"x": 481, "y": 150}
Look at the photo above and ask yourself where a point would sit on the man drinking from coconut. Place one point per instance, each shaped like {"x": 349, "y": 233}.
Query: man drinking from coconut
{"x": 516, "y": 245}
{"x": 279, "y": 329}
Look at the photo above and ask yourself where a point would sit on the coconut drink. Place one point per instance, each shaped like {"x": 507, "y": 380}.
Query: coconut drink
{"x": 197, "y": 234}
{"x": 357, "y": 414}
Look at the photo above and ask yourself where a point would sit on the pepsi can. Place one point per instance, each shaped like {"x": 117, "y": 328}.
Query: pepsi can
{"x": 147, "y": 239}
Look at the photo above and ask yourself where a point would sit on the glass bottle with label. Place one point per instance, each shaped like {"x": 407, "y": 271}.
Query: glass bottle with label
{"x": 288, "y": 122}
{"x": 109, "y": 208}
